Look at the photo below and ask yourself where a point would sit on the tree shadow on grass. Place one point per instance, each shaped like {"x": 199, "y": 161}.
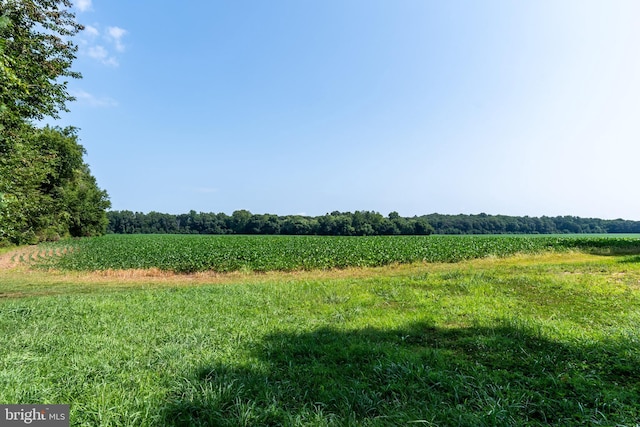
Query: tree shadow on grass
{"x": 630, "y": 259}
{"x": 507, "y": 375}
{"x": 610, "y": 246}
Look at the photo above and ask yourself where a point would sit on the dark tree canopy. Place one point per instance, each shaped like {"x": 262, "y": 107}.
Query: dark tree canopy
{"x": 46, "y": 189}
{"x": 359, "y": 223}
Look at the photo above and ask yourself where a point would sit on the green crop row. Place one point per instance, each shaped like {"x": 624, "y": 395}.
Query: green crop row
{"x": 192, "y": 253}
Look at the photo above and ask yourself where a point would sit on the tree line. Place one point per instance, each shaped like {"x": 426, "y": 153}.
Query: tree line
{"x": 358, "y": 223}
{"x": 503, "y": 224}
{"x": 46, "y": 189}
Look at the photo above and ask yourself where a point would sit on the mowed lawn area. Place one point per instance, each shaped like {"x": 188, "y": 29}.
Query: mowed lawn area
{"x": 544, "y": 338}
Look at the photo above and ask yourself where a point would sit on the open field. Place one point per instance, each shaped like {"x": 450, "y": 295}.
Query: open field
{"x": 549, "y": 337}
{"x": 224, "y": 253}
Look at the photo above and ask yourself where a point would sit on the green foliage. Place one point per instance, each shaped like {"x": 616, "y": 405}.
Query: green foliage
{"x": 359, "y": 223}
{"x": 36, "y": 55}
{"x": 501, "y": 224}
{"x": 190, "y": 253}
{"x": 86, "y": 205}
{"x": 47, "y": 189}
{"x": 525, "y": 342}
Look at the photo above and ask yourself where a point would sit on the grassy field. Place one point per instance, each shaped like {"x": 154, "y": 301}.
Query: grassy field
{"x": 543, "y": 338}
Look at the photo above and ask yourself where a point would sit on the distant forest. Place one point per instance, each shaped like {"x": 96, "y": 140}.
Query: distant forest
{"x": 359, "y": 223}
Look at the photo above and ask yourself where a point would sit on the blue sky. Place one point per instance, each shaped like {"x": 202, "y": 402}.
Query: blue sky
{"x": 415, "y": 106}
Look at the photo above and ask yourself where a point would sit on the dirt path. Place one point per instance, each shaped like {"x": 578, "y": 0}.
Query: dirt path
{"x": 12, "y": 259}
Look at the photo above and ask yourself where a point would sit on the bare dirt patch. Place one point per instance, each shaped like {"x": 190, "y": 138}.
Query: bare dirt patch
{"x": 155, "y": 276}
{"x": 16, "y": 257}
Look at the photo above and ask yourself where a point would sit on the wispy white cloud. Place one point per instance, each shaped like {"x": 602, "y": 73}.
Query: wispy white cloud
{"x": 101, "y": 54}
{"x": 83, "y": 5}
{"x": 107, "y": 51}
{"x": 115, "y": 35}
{"x": 93, "y": 101}
{"x": 98, "y": 52}
{"x": 91, "y": 31}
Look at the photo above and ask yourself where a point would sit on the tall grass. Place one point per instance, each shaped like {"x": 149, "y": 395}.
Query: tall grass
{"x": 550, "y": 340}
